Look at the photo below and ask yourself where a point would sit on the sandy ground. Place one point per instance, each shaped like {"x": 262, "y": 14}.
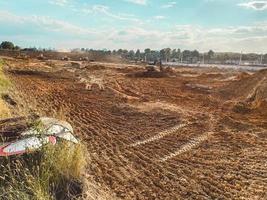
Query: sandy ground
{"x": 175, "y": 137}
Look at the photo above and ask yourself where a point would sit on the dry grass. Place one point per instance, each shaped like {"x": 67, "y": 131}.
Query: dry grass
{"x": 4, "y": 82}
{"x": 55, "y": 172}
{"x": 4, "y": 111}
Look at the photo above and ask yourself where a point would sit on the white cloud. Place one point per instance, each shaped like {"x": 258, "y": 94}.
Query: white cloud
{"x": 47, "y": 31}
{"x": 246, "y": 38}
{"x": 140, "y": 2}
{"x": 105, "y": 10}
{"x": 42, "y": 23}
{"x": 256, "y": 5}
{"x": 159, "y": 17}
{"x": 59, "y": 2}
{"x": 170, "y": 4}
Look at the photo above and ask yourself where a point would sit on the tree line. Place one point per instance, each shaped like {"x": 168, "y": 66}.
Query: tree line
{"x": 166, "y": 55}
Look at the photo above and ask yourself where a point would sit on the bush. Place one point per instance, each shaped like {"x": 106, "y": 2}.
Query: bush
{"x": 7, "y": 45}
{"x": 55, "y": 172}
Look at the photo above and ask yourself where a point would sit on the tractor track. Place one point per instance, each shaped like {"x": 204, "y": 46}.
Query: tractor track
{"x": 180, "y": 147}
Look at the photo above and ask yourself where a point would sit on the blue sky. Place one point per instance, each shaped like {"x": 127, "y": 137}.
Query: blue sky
{"x": 221, "y": 25}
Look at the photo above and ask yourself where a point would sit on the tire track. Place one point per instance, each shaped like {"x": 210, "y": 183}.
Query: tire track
{"x": 188, "y": 146}
{"x": 195, "y": 141}
{"x": 159, "y": 135}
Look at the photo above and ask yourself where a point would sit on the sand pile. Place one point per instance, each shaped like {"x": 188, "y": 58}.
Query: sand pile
{"x": 258, "y": 96}
{"x": 153, "y": 72}
{"x": 245, "y": 87}
{"x": 250, "y": 92}
{"x": 95, "y": 67}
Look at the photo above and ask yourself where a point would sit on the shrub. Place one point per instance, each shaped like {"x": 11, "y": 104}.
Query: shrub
{"x": 54, "y": 172}
{"x": 7, "y": 45}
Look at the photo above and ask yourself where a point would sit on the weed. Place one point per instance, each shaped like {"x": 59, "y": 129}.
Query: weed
{"x": 4, "y": 111}
{"x": 53, "y": 172}
{"x": 4, "y": 82}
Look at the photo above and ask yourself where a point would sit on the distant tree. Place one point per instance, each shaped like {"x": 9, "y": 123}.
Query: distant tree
{"x": 147, "y": 51}
{"x": 195, "y": 54}
{"x": 131, "y": 54}
{"x": 120, "y": 51}
{"x": 16, "y": 48}
{"x": 186, "y": 55}
{"x": 7, "y": 45}
{"x": 264, "y": 59}
{"x": 167, "y": 54}
{"x": 179, "y": 54}
{"x": 162, "y": 54}
{"x": 210, "y": 54}
{"x": 33, "y": 49}
{"x": 138, "y": 54}
{"x": 174, "y": 54}
{"x": 154, "y": 55}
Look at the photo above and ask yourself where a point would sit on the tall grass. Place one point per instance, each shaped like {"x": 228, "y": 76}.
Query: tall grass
{"x": 4, "y": 111}
{"x": 54, "y": 172}
{"x": 4, "y": 84}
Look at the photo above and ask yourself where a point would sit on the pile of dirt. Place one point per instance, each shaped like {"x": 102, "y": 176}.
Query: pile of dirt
{"x": 250, "y": 91}
{"x": 198, "y": 87}
{"x": 95, "y": 67}
{"x": 152, "y": 72}
{"x": 242, "y": 75}
{"x": 243, "y": 88}
{"x": 62, "y": 74}
{"x": 258, "y": 97}
{"x": 211, "y": 76}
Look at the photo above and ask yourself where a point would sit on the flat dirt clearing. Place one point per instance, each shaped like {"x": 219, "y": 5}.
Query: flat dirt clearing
{"x": 176, "y": 137}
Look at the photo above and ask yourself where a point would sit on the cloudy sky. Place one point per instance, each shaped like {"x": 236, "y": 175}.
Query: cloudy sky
{"x": 221, "y": 25}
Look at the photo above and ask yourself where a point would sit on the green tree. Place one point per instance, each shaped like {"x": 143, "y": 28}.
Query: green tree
{"x": 186, "y": 55}
{"x": 131, "y": 54}
{"x": 7, "y": 45}
{"x": 210, "y": 54}
{"x": 147, "y": 54}
{"x": 16, "y": 48}
{"x": 162, "y": 54}
{"x": 167, "y": 54}
{"x": 147, "y": 51}
{"x": 174, "y": 53}
{"x": 138, "y": 54}
{"x": 195, "y": 54}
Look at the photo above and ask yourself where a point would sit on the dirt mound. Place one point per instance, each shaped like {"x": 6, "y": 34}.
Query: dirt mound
{"x": 95, "y": 67}
{"x": 152, "y": 72}
{"x": 258, "y": 97}
{"x": 250, "y": 92}
{"x": 242, "y": 75}
{"x": 212, "y": 76}
{"x": 62, "y": 74}
{"x": 243, "y": 88}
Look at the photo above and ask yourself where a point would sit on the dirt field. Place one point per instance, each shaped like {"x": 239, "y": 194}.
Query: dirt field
{"x": 194, "y": 134}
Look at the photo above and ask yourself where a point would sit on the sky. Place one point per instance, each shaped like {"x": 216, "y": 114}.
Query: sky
{"x": 220, "y": 25}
